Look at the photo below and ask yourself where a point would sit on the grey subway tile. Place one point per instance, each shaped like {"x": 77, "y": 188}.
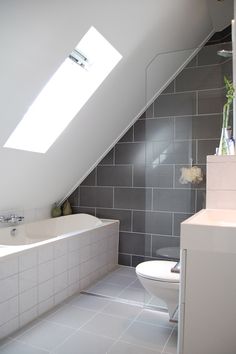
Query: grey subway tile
{"x": 192, "y": 63}
{"x": 227, "y": 70}
{"x": 135, "y": 243}
{"x": 211, "y": 101}
{"x": 199, "y": 78}
{"x": 176, "y": 104}
{"x": 152, "y": 222}
{"x": 208, "y": 54}
{"x": 154, "y": 129}
{"x": 124, "y": 216}
{"x": 178, "y": 218}
{"x": 149, "y": 113}
{"x": 170, "y": 88}
{"x": 168, "y": 152}
{"x": 201, "y": 200}
{"x": 130, "y": 153}
{"x": 74, "y": 198}
{"x": 128, "y": 136}
{"x": 96, "y": 197}
{"x": 114, "y": 175}
{"x": 139, "y": 259}
{"x": 175, "y": 200}
{"x": 165, "y": 247}
{"x": 198, "y": 127}
{"x": 124, "y": 259}
{"x": 205, "y": 148}
{"x": 90, "y": 179}
{"x": 133, "y": 198}
{"x": 84, "y": 210}
{"x": 108, "y": 159}
{"x": 153, "y": 176}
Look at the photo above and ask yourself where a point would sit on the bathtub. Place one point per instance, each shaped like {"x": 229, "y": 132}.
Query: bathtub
{"x": 43, "y": 263}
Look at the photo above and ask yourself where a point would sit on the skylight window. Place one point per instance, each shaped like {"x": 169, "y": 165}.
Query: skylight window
{"x": 65, "y": 94}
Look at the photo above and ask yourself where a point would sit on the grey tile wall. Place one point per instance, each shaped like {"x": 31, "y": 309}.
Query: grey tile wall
{"x": 137, "y": 182}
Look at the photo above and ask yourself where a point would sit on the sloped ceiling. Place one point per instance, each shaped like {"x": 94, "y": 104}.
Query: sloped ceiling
{"x": 36, "y": 37}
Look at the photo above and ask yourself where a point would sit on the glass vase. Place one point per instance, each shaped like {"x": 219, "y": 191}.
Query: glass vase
{"x": 224, "y": 142}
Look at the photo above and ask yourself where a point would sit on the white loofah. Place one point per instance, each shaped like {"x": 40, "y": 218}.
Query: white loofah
{"x": 191, "y": 175}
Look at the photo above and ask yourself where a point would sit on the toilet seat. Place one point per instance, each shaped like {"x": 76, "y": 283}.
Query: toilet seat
{"x": 158, "y": 271}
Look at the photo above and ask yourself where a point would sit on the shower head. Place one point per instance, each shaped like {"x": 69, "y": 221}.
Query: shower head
{"x": 225, "y": 53}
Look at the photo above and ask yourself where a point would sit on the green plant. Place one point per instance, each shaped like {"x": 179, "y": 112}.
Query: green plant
{"x": 224, "y": 139}
{"x": 230, "y": 96}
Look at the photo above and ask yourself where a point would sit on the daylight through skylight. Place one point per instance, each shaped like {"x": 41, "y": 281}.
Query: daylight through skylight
{"x": 65, "y": 94}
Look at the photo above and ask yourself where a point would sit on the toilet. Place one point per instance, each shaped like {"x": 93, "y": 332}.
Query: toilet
{"x": 158, "y": 279}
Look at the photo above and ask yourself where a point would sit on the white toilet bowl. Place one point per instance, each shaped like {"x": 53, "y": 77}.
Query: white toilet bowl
{"x": 158, "y": 280}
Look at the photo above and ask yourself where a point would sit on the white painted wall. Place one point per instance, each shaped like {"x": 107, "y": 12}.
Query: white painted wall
{"x": 36, "y": 37}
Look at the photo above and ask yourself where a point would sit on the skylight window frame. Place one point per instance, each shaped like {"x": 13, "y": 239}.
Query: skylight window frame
{"x": 65, "y": 94}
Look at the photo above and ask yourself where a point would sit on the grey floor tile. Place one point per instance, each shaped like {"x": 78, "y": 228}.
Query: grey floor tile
{"x": 137, "y": 284}
{"x": 107, "y": 325}
{"x": 89, "y": 302}
{"x": 85, "y": 343}
{"x": 129, "y": 271}
{"x": 71, "y": 316}
{"x": 119, "y": 279}
{"x": 155, "y": 301}
{"x": 15, "y": 347}
{"x": 136, "y": 295}
{"x": 30, "y": 325}
{"x": 156, "y": 318}
{"x": 146, "y": 335}
{"x": 171, "y": 345}
{"x": 122, "y": 310}
{"x": 107, "y": 289}
{"x": 127, "y": 348}
{"x": 46, "y": 335}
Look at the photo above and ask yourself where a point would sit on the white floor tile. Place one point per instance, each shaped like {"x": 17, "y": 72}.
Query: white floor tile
{"x": 106, "y": 325}
{"x": 46, "y": 335}
{"x": 85, "y": 343}
{"x": 122, "y": 310}
{"x": 127, "y": 348}
{"x": 89, "y": 302}
{"x": 71, "y": 316}
{"x": 147, "y": 335}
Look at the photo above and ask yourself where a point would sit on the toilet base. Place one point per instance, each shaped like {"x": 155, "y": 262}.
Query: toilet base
{"x": 168, "y": 292}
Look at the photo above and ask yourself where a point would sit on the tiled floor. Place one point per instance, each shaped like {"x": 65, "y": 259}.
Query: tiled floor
{"x": 86, "y": 324}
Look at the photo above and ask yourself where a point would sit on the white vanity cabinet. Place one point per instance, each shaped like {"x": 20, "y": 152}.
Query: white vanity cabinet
{"x": 207, "y": 316}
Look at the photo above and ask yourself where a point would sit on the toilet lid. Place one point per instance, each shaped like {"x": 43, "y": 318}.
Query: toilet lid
{"x": 158, "y": 270}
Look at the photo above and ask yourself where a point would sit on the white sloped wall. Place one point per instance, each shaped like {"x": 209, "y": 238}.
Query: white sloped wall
{"x": 36, "y": 37}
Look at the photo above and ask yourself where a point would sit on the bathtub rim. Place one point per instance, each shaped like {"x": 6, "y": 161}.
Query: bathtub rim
{"x": 9, "y": 250}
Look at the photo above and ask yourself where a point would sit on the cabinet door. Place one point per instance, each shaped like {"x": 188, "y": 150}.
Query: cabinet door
{"x": 210, "y": 303}
{"x": 183, "y": 257}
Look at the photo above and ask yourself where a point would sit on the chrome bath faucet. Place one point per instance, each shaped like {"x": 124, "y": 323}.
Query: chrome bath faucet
{"x": 11, "y": 219}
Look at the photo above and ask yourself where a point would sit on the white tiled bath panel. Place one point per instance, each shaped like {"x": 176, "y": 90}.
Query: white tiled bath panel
{"x": 112, "y": 322}
{"x": 34, "y": 281}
